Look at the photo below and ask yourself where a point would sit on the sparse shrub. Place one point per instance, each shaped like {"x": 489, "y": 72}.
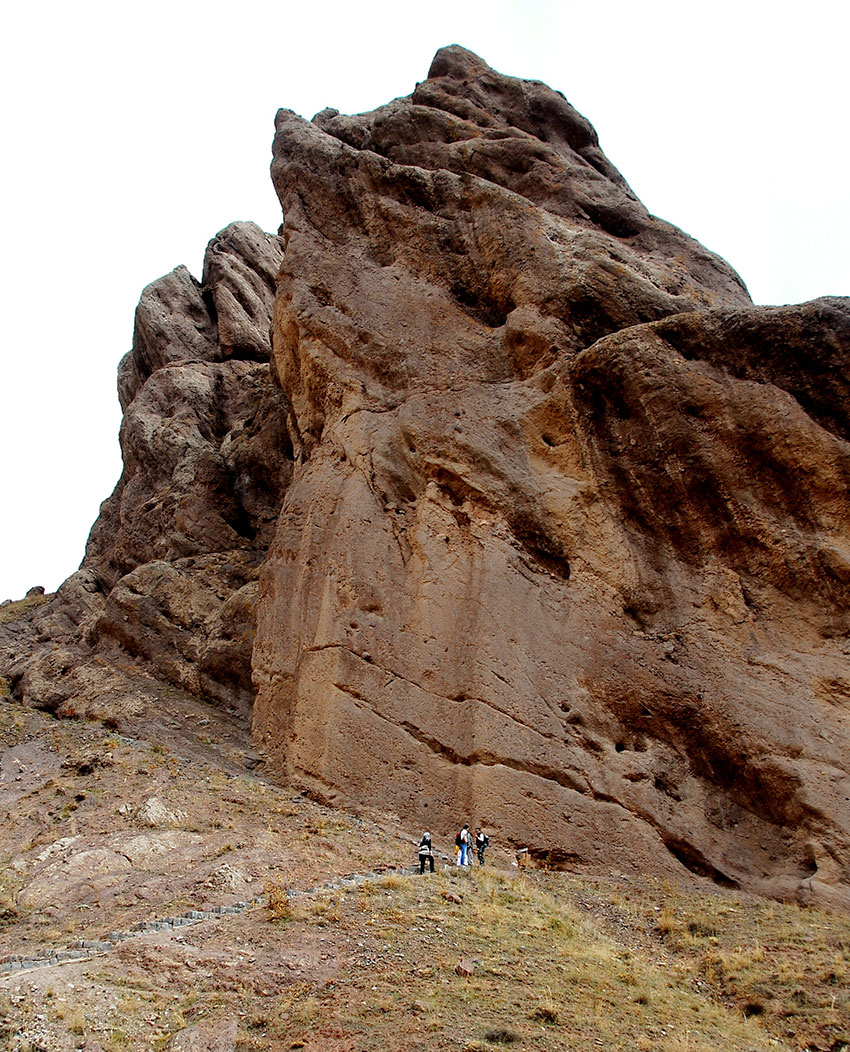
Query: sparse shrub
{"x": 76, "y": 1020}
{"x": 8, "y": 914}
{"x": 306, "y": 1010}
{"x": 547, "y": 1010}
{"x": 667, "y": 922}
{"x": 327, "y": 910}
{"x": 545, "y": 1014}
{"x": 277, "y": 900}
{"x": 703, "y": 928}
{"x": 391, "y": 881}
{"x": 501, "y": 1036}
{"x": 562, "y": 926}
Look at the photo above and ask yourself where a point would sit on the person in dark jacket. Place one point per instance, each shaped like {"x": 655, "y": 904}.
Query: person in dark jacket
{"x": 426, "y": 853}
{"x": 482, "y": 842}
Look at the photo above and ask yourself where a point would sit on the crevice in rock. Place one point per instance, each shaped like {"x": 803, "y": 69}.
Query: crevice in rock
{"x": 558, "y": 739}
{"x": 693, "y": 859}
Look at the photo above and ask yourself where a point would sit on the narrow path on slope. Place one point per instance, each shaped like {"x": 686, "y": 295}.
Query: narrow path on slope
{"x": 85, "y": 949}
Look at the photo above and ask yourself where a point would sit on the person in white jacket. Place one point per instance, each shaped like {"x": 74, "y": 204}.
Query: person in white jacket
{"x": 426, "y": 853}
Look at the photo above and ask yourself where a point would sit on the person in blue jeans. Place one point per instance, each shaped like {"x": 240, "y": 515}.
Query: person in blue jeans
{"x": 463, "y": 837}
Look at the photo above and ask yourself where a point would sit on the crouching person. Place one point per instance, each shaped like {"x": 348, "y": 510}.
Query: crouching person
{"x": 426, "y": 853}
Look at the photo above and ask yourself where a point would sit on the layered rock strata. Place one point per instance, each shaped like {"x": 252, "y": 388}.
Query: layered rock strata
{"x": 533, "y": 520}
{"x": 167, "y": 590}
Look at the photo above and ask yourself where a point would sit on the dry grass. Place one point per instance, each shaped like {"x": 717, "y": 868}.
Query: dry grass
{"x": 784, "y": 964}
{"x": 544, "y": 978}
{"x": 559, "y": 964}
{"x": 277, "y": 899}
{"x": 19, "y": 608}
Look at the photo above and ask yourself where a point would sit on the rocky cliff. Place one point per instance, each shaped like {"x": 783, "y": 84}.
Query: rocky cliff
{"x": 525, "y": 514}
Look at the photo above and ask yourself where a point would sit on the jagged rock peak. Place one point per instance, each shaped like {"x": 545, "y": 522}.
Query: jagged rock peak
{"x": 525, "y": 515}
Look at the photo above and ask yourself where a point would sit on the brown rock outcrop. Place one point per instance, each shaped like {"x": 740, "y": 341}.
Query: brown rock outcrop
{"x": 169, "y": 583}
{"x": 532, "y": 518}
{"x": 565, "y": 552}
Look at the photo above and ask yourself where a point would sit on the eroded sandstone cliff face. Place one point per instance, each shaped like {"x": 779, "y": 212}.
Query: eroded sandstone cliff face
{"x": 531, "y": 519}
{"x": 567, "y": 549}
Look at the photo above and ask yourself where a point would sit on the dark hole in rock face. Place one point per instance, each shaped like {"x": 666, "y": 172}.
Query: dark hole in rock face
{"x": 482, "y": 306}
{"x": 664, "y": 784}
{"x": 809, "y": 864}
{"x": 636, "y": 616}
{"x": 240, "y": 521}
{"x": 554, "y": 858}
{"x": 544, "y": 549}
{"x": 613, "y": 221}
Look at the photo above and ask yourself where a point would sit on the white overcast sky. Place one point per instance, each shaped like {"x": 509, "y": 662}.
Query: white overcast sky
{"x": 132, "y": 133}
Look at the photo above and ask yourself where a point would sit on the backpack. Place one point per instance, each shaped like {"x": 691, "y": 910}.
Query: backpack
{"x": 457, "y": 840}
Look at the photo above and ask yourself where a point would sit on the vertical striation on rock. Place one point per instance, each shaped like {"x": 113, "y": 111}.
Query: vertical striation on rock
{"x": 525, "y": 514}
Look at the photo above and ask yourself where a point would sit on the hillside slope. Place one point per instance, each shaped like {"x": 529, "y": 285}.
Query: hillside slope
{"x": 348, "y": 962}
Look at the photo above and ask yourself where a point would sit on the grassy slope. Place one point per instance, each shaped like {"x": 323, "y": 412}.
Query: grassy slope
{"x": 560, "y": 962}
{"x": 18, "y": 608}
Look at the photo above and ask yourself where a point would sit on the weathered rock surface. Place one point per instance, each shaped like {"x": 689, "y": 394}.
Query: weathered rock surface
{"x": 566, "y": 552}
{"x": 532, "y": 519}
{"x": 169, "y": 582}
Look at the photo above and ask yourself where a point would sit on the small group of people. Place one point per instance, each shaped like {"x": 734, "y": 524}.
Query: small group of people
{"x": 464, "y": 843}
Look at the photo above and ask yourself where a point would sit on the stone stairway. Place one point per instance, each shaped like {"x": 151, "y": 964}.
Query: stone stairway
{"x": 84, "y": 949}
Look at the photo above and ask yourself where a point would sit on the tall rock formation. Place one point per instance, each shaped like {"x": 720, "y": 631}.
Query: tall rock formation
{"x": 532, "y": 519}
